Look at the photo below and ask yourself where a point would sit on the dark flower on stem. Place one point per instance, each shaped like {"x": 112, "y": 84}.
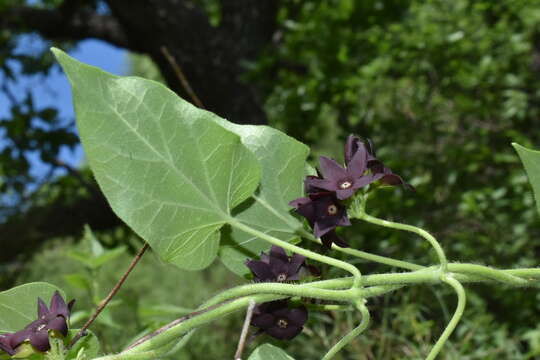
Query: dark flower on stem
{"x": 55, "y": 318}
{"x": 323, "y": 212}
{"x": 377, "y": 168}
{"x": 276, "y": 266}
{"x": 344, "y": 181}
{"x": 277, "y": 320}
{"x": 332, "y": 238}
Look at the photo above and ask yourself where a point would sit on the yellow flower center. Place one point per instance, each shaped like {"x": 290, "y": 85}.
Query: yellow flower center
{"x": 282, "y": 323}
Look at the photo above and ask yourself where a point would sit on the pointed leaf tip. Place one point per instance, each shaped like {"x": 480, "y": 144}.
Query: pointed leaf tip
{"x": 167, "y": 168}
{"x": 531, "y": 161}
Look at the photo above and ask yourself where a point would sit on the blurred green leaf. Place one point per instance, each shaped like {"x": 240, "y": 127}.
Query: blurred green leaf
{"x": 78, "y": 281}
{"x": 87, "y": 345}
{"x": 269, "y": 352}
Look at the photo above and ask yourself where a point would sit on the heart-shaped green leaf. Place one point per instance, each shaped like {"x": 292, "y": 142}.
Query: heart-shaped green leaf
{"x": 18, "y": 306}
{"x": 167, "y": 168}
{"x": 269, "y": 352}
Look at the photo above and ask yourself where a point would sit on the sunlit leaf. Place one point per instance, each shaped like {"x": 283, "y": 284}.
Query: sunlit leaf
{"x": 167, "y": 169}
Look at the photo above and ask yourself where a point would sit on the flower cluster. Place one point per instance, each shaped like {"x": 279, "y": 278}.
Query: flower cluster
{"x": 323, "y": 207}
{"x": 50, "y": 319}
{"x": 276, "y": 318}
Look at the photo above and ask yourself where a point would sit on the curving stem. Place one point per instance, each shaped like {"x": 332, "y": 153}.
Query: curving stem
{"x": 357, "y": 283}
{"x": 423, "y": 233}
{"x": 462, "y": 300}
{"x": 364, "y": 323}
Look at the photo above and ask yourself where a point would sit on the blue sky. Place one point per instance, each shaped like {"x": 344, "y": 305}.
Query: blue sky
{"x": 54, "y": 90}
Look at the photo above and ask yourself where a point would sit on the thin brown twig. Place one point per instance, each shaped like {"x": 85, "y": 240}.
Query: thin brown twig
{"x": 174, "y": 323}
{"x": 245, "y": 329}
{"x": 109, "y": 297}
{"x": 183, "y": 79}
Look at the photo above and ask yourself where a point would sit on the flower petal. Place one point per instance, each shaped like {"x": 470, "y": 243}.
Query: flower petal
{"x": 58, "y": 305}
{"x": 345, "y": 193}
{"x": 40, "y": 340}
{"x": 278, "y": 255}
{"x": 322, "y": 227}
{"x": 58, "y": 324}
{"x": 298, "y": 316}
{"x": 324, "y": 184}
{"x": 296, "y": 261}
{"x": 284, "y": 333}
{"x": 358, "y": 164}
{"x": 299, "y": 202}
{"x": 263, "y": 321}
{"x": 70, "y": 305}
{"x": 331, "y": 170}
{"x": 260, "y": 269}
{"x": 42, "y": 310}
{"x": 5, "y": 344}
{"x": 19, "y": 337}
{"x": 351, "y": 145}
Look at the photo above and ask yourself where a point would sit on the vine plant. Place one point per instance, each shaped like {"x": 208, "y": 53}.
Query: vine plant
{"x": 196, "y": 187}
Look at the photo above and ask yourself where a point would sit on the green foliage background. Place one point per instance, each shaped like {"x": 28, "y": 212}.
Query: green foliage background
{"x": 442, "y": 88}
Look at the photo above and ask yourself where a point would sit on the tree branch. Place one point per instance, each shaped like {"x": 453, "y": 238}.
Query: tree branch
{"x": 62, "y": 25}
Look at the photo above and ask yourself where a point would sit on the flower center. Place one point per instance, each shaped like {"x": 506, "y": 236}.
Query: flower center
{"x": 332, "y": 210}
{"x": 345, "y": 185}
{"x": 282, "y": 277}
{"x": 282, "y": 323}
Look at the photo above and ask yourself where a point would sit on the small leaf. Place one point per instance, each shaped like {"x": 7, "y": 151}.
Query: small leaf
{"x": 108, "y": 256}
{"x": 94, "y": 244}
{"x": 78, "y": 281}
{"x": 269, "y": 352}
{"x": 531, "y": 162}
{"x": 167, "y": 168}
{"x": 18, "y": 306}
{"x": 87, "y": 345}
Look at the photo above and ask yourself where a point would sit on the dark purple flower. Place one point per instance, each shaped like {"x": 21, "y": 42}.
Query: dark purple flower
{"x": 377, "y": 168}
{"x": 344, "y": 181}
{"x": 277, "y": 320}
{"x": 276, "y": 266}
{"x": 54, "y": 318}
{"x": 332, "y": 238}
{"x": 323, "y": 212}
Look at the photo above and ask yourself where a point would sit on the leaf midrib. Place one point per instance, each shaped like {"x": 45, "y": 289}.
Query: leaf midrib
{"x": 166, "y": 161}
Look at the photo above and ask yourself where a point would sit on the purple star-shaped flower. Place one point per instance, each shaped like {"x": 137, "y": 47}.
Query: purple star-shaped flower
{"x": 276, "y": 266}
{"x": 54, "y": 318}
{"x": 377, "y": 168}
{"x": 278, "y": 321}
{"x": 323, "y": 212}
{"x": 344, "y": 181}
